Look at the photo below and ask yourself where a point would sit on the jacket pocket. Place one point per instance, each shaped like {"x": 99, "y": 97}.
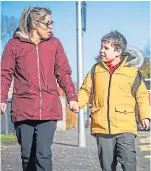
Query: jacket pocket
{"x": 124, "y": 109}
{"x": 52, "y": 106}
{"x": 125, "y": 117}
{"x": 22, "y": 89}
{"x": 99, "y": 119}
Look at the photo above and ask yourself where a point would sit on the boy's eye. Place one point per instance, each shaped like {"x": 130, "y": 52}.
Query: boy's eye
{"x": 105, "y": 47}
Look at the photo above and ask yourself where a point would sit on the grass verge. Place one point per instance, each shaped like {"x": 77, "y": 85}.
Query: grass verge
{"x": 8, "y": 139}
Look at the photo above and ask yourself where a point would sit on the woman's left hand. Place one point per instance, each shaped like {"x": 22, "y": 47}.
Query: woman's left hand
{"x": 74, "y": 106}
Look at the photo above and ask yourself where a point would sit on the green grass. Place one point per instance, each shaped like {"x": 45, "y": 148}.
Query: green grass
{"x": 8, "y": 139}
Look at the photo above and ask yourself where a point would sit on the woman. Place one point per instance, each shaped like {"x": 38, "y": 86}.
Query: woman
{"x": 35, "y": 58}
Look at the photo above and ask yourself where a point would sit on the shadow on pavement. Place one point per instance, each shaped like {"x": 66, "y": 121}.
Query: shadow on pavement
{"x": 72, "y": 145}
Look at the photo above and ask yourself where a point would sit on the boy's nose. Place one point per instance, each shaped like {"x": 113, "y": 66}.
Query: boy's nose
{"x": 102, "y": 50}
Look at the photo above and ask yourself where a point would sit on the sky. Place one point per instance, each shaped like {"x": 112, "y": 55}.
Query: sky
{"x": 131, "y": 18}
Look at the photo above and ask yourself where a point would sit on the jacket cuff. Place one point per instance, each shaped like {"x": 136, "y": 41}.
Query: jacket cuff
{"x": 72, "y": 97}
{"x": 146, "y": 118}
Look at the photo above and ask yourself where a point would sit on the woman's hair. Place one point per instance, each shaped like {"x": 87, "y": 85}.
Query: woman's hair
{"x": 29, "y": 16}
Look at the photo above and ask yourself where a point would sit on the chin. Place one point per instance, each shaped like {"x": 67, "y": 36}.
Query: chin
{"x": 103, "y": 60}
{"x": 44, "y": 37}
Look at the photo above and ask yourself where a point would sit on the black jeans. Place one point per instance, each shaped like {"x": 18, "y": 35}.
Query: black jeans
{"x": 36, "y": 138}
{"x": 117, "y": 148}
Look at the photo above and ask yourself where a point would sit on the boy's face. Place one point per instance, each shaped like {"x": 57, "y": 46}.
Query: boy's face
{"x": 108, "y": 54}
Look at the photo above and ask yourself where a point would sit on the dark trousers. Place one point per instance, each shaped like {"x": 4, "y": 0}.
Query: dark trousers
{"x": 117, "y": 148}
{"x": 36, "y": 138}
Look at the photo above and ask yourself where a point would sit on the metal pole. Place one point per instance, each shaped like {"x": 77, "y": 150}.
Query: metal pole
{"x": 81, "y": 122}
{"x": 6, "y": 121}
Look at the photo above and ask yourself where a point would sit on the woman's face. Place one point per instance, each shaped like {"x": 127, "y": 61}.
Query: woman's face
{"x": 44, "y": 28}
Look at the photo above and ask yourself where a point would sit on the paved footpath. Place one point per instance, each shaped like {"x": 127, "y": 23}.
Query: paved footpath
{"x": 67, "y": 156}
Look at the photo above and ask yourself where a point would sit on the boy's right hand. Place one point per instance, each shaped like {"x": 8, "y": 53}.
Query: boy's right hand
{"x": 145, "y": 123}
{"x": 3, "y": 107}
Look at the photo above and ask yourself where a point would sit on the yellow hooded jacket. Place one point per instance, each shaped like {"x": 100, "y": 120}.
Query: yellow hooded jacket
{"x": 113, "y": 106}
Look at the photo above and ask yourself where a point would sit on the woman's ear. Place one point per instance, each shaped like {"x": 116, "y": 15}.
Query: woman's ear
{"x": 35, "y": 25}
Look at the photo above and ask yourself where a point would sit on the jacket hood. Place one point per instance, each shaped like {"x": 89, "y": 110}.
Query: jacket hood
{"x": 18, "y": 35}
{"x": 135, "y": 57}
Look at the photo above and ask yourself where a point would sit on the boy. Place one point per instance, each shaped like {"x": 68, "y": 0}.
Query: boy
{"x": 113, "y": 106}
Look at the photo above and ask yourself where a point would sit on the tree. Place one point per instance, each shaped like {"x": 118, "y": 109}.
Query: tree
{"x": 147, "y": 50}
{"x": 8, "y": 26}
{"x": 145, "y": 69}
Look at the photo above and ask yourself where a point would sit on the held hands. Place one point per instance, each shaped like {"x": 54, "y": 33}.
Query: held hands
{"x": 74, "y": 106}
{"x": 145, "y": 123}
{"x": 3, "y": 107}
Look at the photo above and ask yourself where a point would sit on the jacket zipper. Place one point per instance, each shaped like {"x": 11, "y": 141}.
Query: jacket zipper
{"x": 39, "y": 78}
{"x": 108, "y": 103}
{"x": 108, "y": 100}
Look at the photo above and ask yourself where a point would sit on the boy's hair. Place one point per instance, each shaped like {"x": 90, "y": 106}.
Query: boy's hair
{"x": 118, "y": 41}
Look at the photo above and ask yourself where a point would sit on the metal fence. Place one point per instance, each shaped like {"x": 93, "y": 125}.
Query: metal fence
{"x": 6, "y": 125}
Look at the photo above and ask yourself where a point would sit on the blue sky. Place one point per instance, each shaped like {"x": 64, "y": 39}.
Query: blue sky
{"x": 132, "y": 19}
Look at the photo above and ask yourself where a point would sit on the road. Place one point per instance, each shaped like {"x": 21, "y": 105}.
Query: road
{"x": 67, "y": 156}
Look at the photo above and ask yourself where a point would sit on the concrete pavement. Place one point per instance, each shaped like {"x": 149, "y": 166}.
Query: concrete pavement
{"x": 67, "y": 156}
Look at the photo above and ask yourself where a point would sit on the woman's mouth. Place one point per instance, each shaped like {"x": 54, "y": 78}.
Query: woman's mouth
{"x": 49, "y": 33}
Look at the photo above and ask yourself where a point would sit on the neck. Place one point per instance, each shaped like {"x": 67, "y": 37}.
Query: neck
{"x": 33, "y": 36}
{"x": 115, "y": 62}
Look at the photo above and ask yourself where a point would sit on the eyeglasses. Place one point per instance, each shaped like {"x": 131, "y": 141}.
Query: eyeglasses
{"x": 47, "y": 24}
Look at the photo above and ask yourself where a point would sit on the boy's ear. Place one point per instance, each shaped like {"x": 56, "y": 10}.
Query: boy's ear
{"x": 119, "y": 52}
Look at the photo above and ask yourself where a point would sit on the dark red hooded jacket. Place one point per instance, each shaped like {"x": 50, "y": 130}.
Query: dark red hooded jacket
{"x": 35, "y": 69}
